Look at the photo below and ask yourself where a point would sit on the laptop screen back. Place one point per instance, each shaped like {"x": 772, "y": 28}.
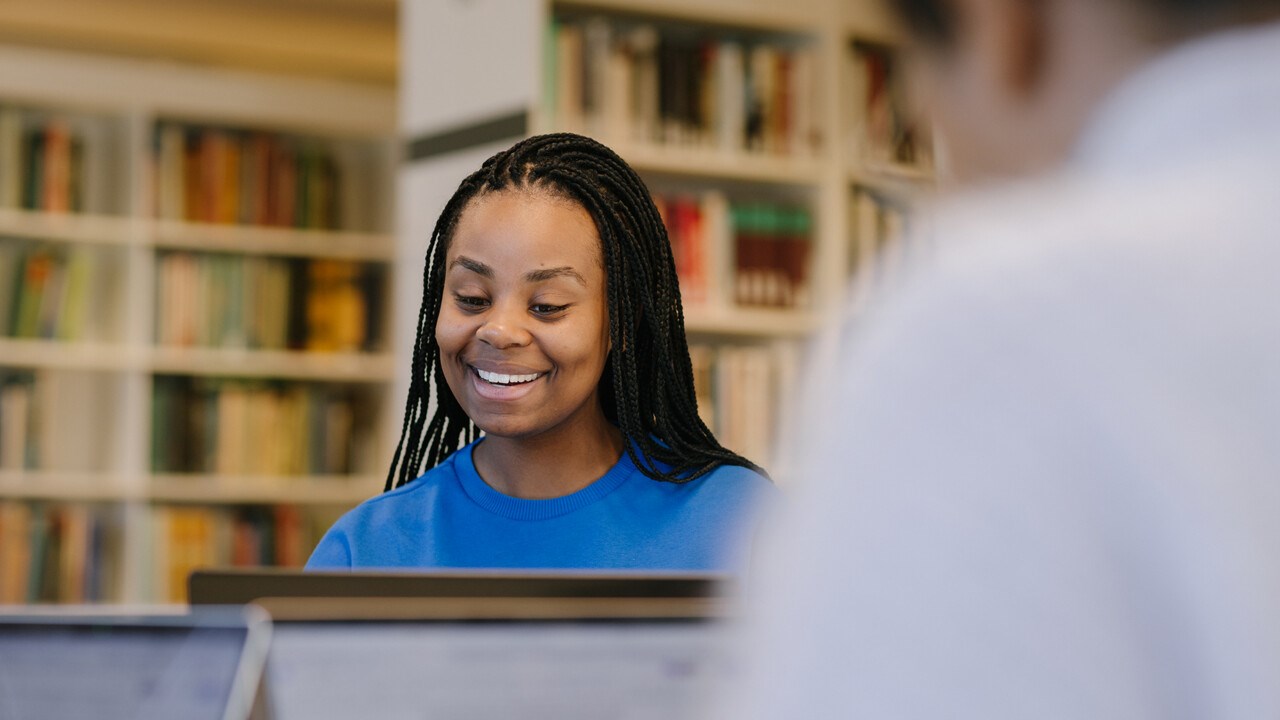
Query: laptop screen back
{"x": 111, "y": 667}
{"x": 496, "y": 669}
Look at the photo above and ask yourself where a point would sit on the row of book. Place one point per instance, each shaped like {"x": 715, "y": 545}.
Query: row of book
{"x": 59, "y": 553}
{"x": 185, "y": 538}
{"x": 53, "y": 291}
{"x": 225, "y": 175}
{"x": 202, "y": 425}
{"x": 883, "y": 131}
{"x": 750, "y": 254}
{"x": 648, "y": 83}
{"x": 247, "y": 301}
{"x": 50, "y": 163}
{"x": 883, "y": 246}
{"x": 52, "y": 420}
{"x": 72, "y": 552}
{"x": 742, "y": 391}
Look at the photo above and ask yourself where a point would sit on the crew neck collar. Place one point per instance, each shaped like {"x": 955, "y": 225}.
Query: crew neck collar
{"x": 524, "y": 509}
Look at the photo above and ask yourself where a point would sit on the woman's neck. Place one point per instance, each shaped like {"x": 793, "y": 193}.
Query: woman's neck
{"x": 552, "y": 464}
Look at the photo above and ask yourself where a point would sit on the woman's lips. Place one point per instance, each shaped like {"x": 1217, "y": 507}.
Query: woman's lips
{"x": 503, "y": 386}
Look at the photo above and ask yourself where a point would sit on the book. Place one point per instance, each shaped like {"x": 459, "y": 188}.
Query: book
{"x": 15, "y": 551}
{"x": 11, "y": 152}
{"x": 37, "y": 266}
{"x": 11, "y": 255}
{"x": 882, "y": 129}
{"x": 880, "y": 254}
{"x": 233, "y": 427}
{"x": 228, "y": 175}
{"x": 636, "y": 81}
{"x": 744, "y": 393}
{"x": 79, "y": 291}
{"x": 56, "y": 176}
{"x": 16, "y": 393}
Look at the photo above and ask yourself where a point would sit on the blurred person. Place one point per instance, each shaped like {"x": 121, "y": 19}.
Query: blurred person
{"x": 551, "y": 322}
{"x": 1043, "y": 480}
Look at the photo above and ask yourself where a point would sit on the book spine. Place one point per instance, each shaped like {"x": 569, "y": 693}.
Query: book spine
{"x": 11, "y": 150}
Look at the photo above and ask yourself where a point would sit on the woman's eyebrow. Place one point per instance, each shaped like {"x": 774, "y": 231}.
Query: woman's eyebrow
{"x": 474, "y": 266}
{"x": 534, "y": 276}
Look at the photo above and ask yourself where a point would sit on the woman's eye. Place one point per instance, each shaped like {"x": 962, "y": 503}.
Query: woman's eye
{"x": 548, "y": 310}
{"x": 471, "y": 302}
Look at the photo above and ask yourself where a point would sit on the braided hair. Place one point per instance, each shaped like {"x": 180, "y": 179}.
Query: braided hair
{"x": 646, "y": 388}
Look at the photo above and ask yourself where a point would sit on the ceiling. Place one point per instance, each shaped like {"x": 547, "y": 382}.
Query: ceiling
{"x": 352, "y": 40}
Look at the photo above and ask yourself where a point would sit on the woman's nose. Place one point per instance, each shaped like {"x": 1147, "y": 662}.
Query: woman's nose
{"x": 503, "y": 327}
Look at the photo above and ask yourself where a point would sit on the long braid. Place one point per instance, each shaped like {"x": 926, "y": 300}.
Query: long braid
{"x": 648, "y": 388}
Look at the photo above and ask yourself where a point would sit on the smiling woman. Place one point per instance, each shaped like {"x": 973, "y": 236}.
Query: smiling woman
{"x": 551, "y": 323}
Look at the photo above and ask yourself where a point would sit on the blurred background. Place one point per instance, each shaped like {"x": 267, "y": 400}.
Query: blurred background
{"x": 213, "y": 215}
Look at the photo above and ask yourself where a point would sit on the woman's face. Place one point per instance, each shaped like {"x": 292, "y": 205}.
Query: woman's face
{"x": 524, "y": 325}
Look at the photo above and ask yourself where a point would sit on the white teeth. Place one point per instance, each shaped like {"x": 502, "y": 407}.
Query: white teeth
{"x": 501, "y": 379}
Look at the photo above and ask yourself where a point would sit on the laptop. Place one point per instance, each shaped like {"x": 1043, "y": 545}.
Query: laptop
{"x": 82, "y": 662}
{"x": 223, "y": 586}
{"x": 497, "y": 657}
{"x": 485, "y": 644}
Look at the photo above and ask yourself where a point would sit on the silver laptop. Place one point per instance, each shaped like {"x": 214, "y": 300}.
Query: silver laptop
{"x": 97, "y": 663}
{"x": 496, "y": 658}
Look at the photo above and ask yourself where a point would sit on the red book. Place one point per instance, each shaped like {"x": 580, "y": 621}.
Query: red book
{"x": 56, "y": 178}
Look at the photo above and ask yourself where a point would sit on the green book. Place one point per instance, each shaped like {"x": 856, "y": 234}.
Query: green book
{"x": 10, "y": 265}
{"x": 36, "y": 267}
{"x": 33, "y": 188}
{"x": 39, "y": 552}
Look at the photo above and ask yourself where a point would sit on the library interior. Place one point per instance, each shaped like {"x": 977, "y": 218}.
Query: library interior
{"x": 235, "y": 236}
{"x": 210, "y": 246}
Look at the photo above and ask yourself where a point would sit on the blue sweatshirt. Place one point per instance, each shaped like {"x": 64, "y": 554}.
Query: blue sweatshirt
{"x": 626, "y": 520}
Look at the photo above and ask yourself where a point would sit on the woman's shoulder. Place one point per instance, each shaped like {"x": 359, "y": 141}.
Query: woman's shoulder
{"x": 725, "y": 479}
{"x": 741, "y": 480}
{"x": 741, "y": 475}
{"x": 441, "y": 478}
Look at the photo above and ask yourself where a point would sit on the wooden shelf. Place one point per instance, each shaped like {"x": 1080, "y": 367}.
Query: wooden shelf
{"x": 67, "y": 486}
{"x": 871, "y": 20}
{"x": 712, "y": 164}
{"x": 68, "y": 355}
{"x": 285, "y": 364}
{"x": 264, "y": 489}
{"x": 796, "y": 16}
{"x": 69, "y": 227}
{"x": 894, "y": 180}
{"x": 114, "y": 230}
{"x": 273, "y": 241}
{"x": 748, "y": 322}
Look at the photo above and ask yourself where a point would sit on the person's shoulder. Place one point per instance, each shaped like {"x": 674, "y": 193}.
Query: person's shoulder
{"x": 741, "y": 477}
{"x": 726, "y": 480}
{"x": 441, "y": 478}
{"x": 1080, "y": 226}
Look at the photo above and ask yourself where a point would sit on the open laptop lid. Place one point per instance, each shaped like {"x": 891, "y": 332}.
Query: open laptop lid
{"x": 227, "y": 586}
{"x": 71, "y": 662}
{"x": 496, "y": 658}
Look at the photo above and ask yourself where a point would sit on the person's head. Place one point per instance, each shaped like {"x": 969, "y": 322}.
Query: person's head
{"x": 550, "y": 302}
{"x": 1011, "y": 83}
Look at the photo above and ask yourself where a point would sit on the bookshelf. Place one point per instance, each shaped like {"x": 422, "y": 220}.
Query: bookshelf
{"x": 162, "y": 261}
{"x": 774, "y": 106}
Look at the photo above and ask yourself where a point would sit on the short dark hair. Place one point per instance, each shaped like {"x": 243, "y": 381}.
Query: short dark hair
{"x": 934, "y": 21}
{"x": 647, "y": 385}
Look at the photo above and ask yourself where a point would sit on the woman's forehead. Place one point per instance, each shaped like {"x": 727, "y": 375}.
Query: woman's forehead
{"x": 535, "y": 226}
{"x": 527, "y": 229}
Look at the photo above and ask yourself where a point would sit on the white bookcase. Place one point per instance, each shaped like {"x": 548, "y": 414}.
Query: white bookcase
{"x": 507, "y": 75}
{"x": 93, "y": 394}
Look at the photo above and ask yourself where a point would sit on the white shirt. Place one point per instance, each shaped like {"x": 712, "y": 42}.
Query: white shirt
{"x": 1045, "y": 482}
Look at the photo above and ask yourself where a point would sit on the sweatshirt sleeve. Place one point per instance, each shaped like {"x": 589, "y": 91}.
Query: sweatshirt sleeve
{"x": 333, "y": 552}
